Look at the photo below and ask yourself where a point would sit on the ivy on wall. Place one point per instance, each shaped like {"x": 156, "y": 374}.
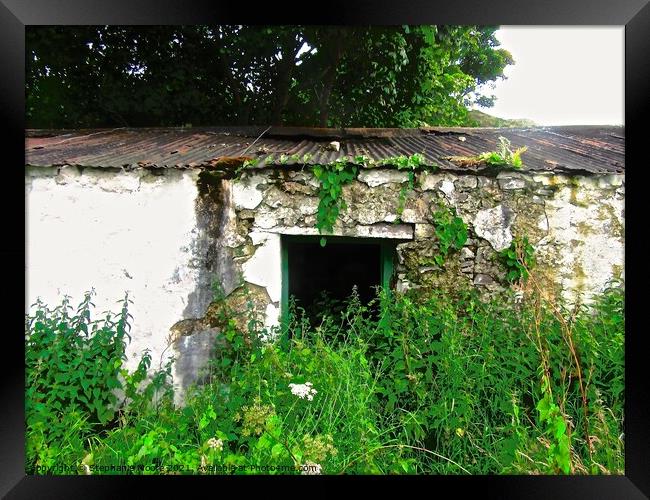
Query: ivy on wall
{"x": 332, "y": 177}
{"x": 518, "y": 259}
{"x": 451, "y": 232}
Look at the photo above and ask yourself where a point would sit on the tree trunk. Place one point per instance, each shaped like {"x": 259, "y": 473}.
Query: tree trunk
{"x": 289, "y": 52}
{"x": 244, "y": 115}
{"x": 329, "y": 78}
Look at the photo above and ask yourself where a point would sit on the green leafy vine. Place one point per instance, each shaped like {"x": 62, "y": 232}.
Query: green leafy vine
{"x": 332, "y": 178}
{"x": 451, "y": 232}
{"x": 334, "y": 175}
{"x": 518, "y": 259}
{"x": 410, "y": 163}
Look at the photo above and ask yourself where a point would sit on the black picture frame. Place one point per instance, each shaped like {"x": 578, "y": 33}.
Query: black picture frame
{"x": 633, "y": 14}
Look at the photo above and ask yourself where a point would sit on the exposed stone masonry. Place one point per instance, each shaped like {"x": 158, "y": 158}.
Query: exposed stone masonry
{"x": 574, "y": 223}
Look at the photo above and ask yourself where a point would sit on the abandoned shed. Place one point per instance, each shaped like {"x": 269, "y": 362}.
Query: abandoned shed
{"x": 167, "y": 213}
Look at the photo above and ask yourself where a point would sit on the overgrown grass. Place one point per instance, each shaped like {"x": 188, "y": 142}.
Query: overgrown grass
{"x": 427, "y": 384}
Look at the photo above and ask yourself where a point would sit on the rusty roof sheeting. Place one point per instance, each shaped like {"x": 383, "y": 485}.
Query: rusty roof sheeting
{"x": 569, "y": 149}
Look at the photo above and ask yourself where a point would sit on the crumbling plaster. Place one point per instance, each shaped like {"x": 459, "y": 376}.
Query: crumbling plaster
{"x": 116, "y": 232}
{"x": 575, "y": 222}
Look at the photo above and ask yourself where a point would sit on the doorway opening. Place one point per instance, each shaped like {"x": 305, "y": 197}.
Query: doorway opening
{"x": 321, "y": 279}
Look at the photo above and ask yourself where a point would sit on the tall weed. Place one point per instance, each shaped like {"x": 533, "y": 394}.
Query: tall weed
{"x": 414, "y": 383}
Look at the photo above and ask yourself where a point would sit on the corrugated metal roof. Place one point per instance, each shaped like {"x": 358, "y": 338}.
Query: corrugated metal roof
{"x": 579, "y": 149}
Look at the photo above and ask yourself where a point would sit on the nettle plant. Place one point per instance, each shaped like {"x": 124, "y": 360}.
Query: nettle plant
{"x": 554, "y": 426}
{"x": 431, "y": 383}
{"x": 72, "y": 361}
{"x": 73, "y": 370}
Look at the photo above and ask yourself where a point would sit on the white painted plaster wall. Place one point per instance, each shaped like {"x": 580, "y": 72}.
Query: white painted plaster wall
{"x": 116, "y": 232}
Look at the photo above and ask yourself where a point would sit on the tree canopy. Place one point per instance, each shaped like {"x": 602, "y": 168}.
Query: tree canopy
{"x": 102, "y": 76}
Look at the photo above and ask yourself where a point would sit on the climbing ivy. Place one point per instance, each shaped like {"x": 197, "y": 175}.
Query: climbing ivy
{"x": 450, "y": 230}
{"x": 410, "y": 163}
{"x": 332, "y": 177}
{"x": 409, "y": 186}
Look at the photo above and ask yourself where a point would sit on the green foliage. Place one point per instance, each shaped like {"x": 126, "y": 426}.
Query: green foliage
{"x": 325, "y": 305}
{"x": 403, "y": 193}
{"x": 451, "y": 232}
{"x": 518, "y": 259}
{"x": 504, "y": 156}
{"x": 463, "y": 375}
{"x": 416, "y": 383}
{"x": 477, "y": 118}
{"x": 73, "y": 362}
{"x": 247, "y": 163}
{"x": 555, "y": 428}
{"x": 402, "y": 162}
{"x": 332, "y": 177}
{"x": 73, "y": 368}
{"x": 410, "y": 163}
{"x": 336, "y": 76}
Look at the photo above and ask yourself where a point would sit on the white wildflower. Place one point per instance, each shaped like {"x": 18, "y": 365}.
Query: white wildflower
{"x": 303, "y": 391}
{"x": 519, "y": 296}
{"x": 215, "y": 444}
{"x": 310, "y": 469}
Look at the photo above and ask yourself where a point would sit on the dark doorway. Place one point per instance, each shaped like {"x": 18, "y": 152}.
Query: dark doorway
{"x": 322, "y": 278}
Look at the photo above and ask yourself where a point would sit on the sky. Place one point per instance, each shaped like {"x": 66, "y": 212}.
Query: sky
{"x": 571, "y": 75}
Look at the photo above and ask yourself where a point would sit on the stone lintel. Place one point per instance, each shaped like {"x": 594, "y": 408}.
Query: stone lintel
{"x": 390, "y": 231}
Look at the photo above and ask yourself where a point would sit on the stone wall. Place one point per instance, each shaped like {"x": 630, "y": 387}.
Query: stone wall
{"x": 575, "y": 224}
{"x": 167, "y": 235}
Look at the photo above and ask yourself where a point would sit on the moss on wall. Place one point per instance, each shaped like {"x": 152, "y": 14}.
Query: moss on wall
{"x": 552, "y": 211}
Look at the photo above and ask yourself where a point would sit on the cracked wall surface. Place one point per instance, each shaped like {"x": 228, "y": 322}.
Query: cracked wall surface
{"x": 120, "y": 231}
{"x": 168, "y": 235}
{"x": 574, "y": 222}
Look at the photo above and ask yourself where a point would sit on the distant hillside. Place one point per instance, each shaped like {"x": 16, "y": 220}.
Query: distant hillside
{"x": 477, "y": 118}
